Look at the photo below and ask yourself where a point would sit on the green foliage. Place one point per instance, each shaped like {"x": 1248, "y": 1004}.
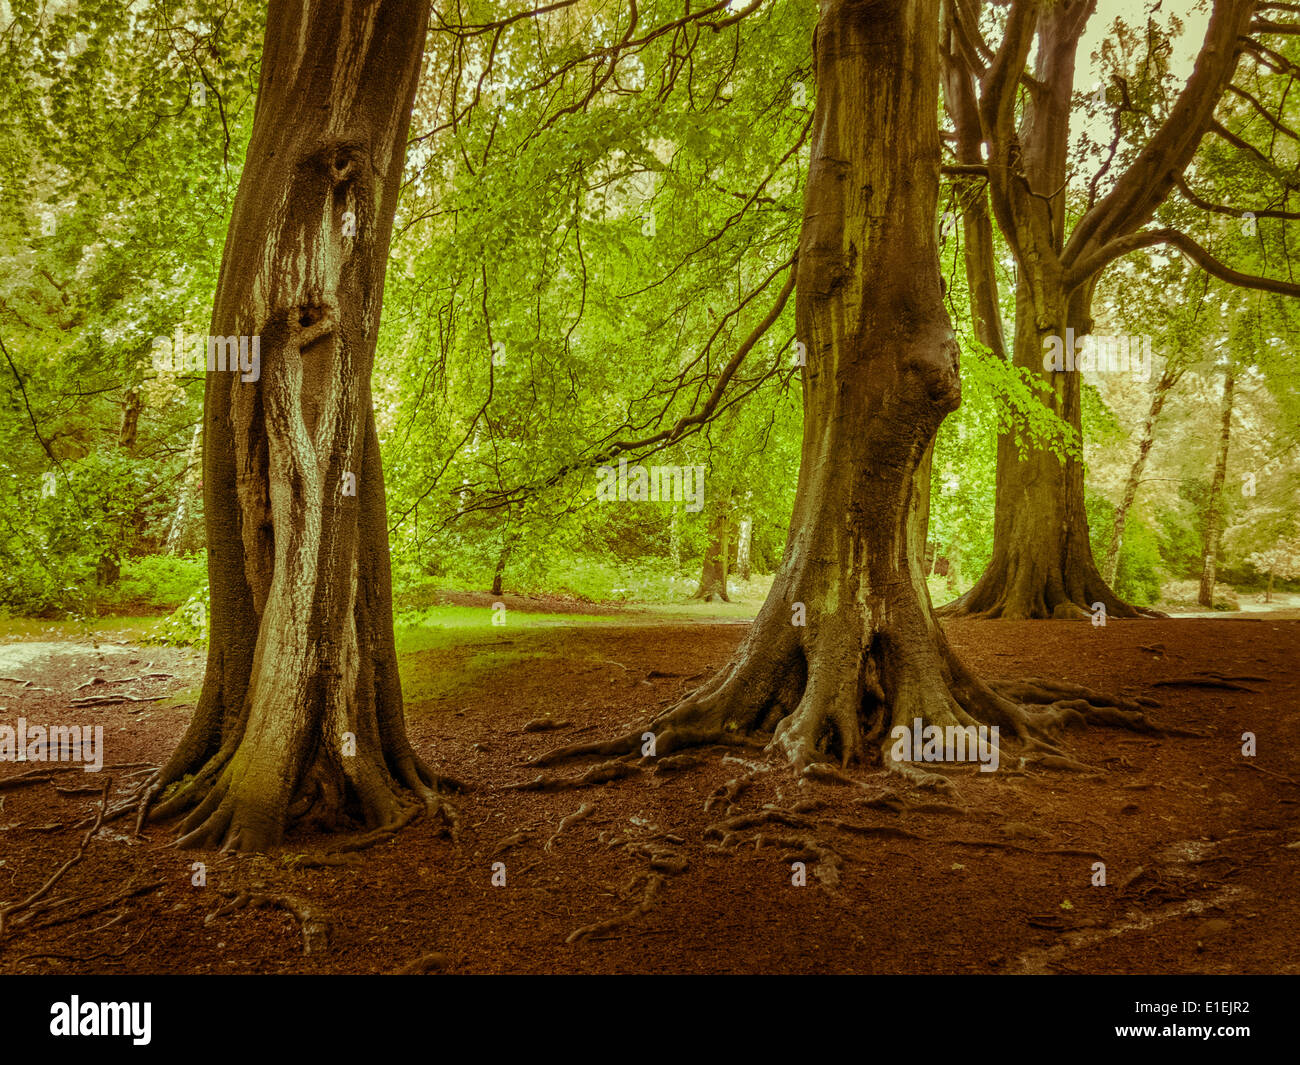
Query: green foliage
{"x": 186, "y": 626}
{"x": 1138, "y": 578}
{"x": 161, "y": 581}
{"x": 568, "y": 275}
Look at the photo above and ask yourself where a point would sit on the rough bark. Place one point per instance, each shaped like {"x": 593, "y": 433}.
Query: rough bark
{"x": 1042, "y": 563}
{"x": 300, "y": 715}
{"x": 1163, "y": 386}
{"x": 846, "y": 645}
{"x": 1213, "y": 518}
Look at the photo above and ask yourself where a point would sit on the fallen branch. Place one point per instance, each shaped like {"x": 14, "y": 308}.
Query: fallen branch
{"x": 109, "y": 700}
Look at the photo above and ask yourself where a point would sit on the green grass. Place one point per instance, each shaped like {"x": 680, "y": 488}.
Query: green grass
{"x": 452, "y": 626}
{"x": 45, "y": 629}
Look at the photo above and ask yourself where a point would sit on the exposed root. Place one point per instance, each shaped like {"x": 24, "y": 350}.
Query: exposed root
{"x": 572, "y": 819}
{"x": 1269, "y": 773}
{"x": 1210, "y": 680}
{"x": 828, "y": 695}
{"x": 664, "y": 856}
{"x": 597, "y": 774}
{"x": 98, "y": 907}
{"x": 674, "y": 763}
{"x": 653, "y": 882}
{"x": 511, "y": 841}
{"x": 1005, "y": 845}
{"x": 726, "y": 830}
{"x": 544, "y": 724}
{"x": 368, "y": 839}
{"x": 23, "y": 780}
{"x": 825, "y": 773}
{"x": 323, "y": 861}
{"x": 107, "y": 952}
{"x": 315, "y": 928}
{"x": 726, "y": 793}
{"x": 426, "y": 963}
{"x": 919, "y": 778}
{"x": 1056, "y": 761}
{"x": 818, "y": 855}
{"x": 8, "y": 912}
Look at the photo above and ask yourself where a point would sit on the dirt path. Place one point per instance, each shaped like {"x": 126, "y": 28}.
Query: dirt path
{"x": 1201, "y": 846}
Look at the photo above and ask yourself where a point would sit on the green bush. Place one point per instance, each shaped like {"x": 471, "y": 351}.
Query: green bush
{"x": 186, "y": 626}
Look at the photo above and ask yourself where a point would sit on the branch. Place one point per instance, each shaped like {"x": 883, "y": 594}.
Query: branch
{"x": 1086, "y": 269}
{"x": 1268, "y": 116}
{"x": 1219, "y": 208}
{"x": 1133, "y": 200}
{"x": 1263, "y": 25}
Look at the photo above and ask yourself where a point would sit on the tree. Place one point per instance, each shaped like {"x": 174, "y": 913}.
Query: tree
{"x": 301, "y": 709}
{"x": 1214, "y": 517}
{"x": 1042, "y": 564}
{"x": 846, "y": 645}
{"x": 717, "y": 554}
{"x": 1280, "y": 560}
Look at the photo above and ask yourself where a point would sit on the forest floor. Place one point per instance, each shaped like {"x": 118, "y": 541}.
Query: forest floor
{"x": 1201, "y": 845}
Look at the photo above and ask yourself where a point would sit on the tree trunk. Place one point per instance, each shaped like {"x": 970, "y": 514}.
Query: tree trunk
{"x": 1042, "y": 563}
{"x": 1167, "y": 381}
{"x": 713, "y": 574}
{"x": 1268, "y": 592}
{"x": 130, "y": 425}
{"x": 962, "y": 105}
{"x": 301, "y": 710}
{"x": 508, "y": 539}
{"x": 1213, "y": 522}
{"x": 176, "y": 534}
{"x": 743, "y": 547}
{"x": 846, "y": 646}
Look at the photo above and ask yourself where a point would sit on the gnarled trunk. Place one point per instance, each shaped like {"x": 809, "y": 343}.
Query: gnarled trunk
{"x": 301, "y": 710}
{"x": 846, "y": 646}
